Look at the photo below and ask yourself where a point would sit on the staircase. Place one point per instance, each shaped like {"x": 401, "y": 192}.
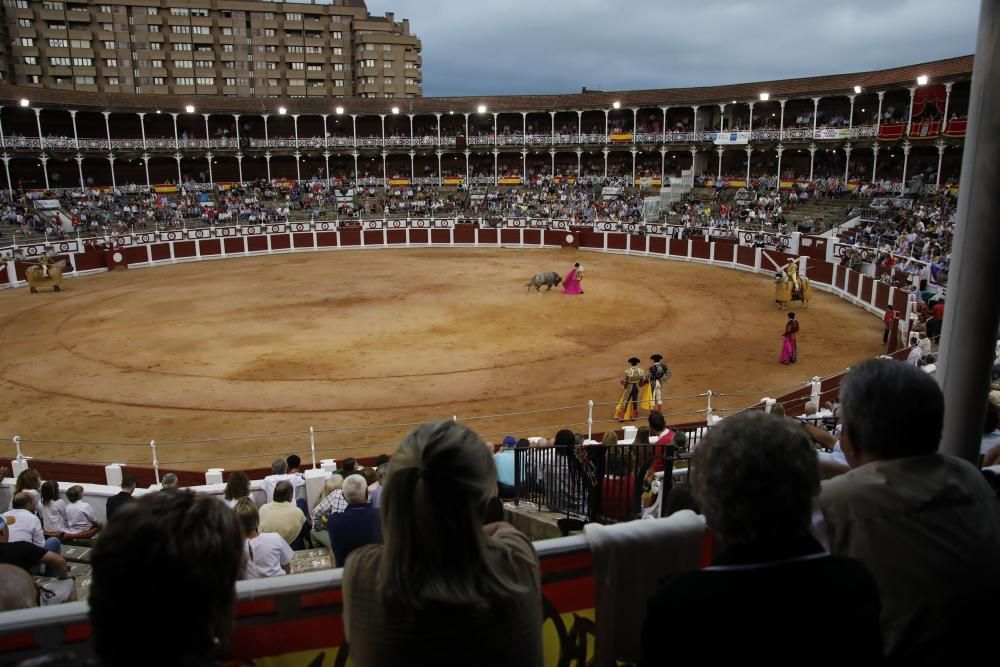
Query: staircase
{"x": 825, "y": 213}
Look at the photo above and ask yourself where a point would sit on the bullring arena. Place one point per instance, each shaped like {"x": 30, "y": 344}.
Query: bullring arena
{"x": 357, "y": 338}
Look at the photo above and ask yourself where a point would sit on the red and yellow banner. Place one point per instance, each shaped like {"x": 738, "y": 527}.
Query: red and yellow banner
{"x": 621, "y": 137}
{"x": 452, "y": 180}
{"x": 399, "y": 182}
{"x": 511, "y": 180}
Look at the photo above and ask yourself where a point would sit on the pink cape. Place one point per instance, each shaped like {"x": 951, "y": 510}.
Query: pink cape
{"x": 571, "y": 285}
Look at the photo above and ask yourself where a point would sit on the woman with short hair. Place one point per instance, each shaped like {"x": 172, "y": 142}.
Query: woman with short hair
{"x": 237, "y": 487}
{"x": 442, "y": 583}
{"x": 267, "y": 554}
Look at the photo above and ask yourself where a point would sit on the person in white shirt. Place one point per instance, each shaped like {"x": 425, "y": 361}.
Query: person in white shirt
{"x": 915, "y": 355}
{"x": 81, "y": 522}
{"x": 25, "y": 526}
{"x": 267, "y": 554}
{"x": 52, "y": 510}
{"x": 279, "y": 473}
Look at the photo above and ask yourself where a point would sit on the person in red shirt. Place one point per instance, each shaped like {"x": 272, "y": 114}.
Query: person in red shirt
{"x": 937, "y": 319}
{"x": 890, "y": 315}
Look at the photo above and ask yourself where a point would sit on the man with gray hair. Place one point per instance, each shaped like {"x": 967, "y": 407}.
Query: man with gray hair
{"x": 755, "y": 477}
{"x": 926, "y": 524}
{"x": 279, "y": 473}
{"x": 169, "y": 481}
{"x": 357, "y": 525}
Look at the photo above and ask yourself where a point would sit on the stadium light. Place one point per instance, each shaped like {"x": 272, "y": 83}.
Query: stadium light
{"x": 158, "y": 111}
{"x": 857, "y": 90}
{"x": 340, "y": 111}
{"x": 189, "y": 108}
{"x": 481, "y": 108}
{"x": 922, "y": 80}
{"x": 282, "y": 111}
{"x": 395, "y": 110}
{"x": 764, "y": 97}
{"x": 617, "y": 105}
{"x": 25, "y": 102}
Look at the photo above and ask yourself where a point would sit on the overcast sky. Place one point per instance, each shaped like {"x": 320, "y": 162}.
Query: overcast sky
{"x": 557, "y": 46}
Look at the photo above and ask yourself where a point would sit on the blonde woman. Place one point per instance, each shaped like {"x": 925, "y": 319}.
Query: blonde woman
{"x": 442, "y": 583}
{"x": 267, "y": 554}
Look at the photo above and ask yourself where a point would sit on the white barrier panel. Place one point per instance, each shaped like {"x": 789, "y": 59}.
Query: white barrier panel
{"x": 278, "y": 228}
{"x": 253, "y": 230}
{"x": 371, "y": 224}
{"x": 326, "y": 226}
{"x": 226, "y": 231}
{"x": 199, "y": 233}
{"x": 300, "y": 226}
{"x": 396, "y": 224}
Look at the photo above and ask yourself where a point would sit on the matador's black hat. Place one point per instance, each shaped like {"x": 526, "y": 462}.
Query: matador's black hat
{"x": 657, "y": 358}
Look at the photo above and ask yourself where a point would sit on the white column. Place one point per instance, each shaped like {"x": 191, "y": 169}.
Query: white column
{"x": 663, "y": 167}
{"x": 267, "y": 139}
{"x": 606, "y": 124}
{"x": 438, "y": 116}
{"x": 750, "y": 124}
{"x": 107, "y": 126}
{"x": 239, "y": 166}
{"x": 145, "y": 162}
{"x": 909, "y": 117}
{"x": 6, "y": 168}
{"x": 177, "y": 156}
{"x": 579, "y": 126}
{"x": 326, "y": 159}
{"x": 496, "y": 170}
{"x": 781, "y": 121}
{"x": 413, "y": 166}
{"x": 779, "y": 149}
{"x": 847, "y": 162}
{"x": 440, "y": 175}
{"x": 947, "y": 102}
{"x": 3, "y": 142}
{"x": 356, "y": 174}
{"x": 411, "y": 128}
{"x": 634, "y": 151}
{"x": 267, "y": 162}
{"x": 812, "y": 159}
{"x": 208, "y": 136}
{"x": 45, "y": 171}
{"x": 236, "y": 122}
{"x": 663, "y": 138}
{"x": 524, "y": 128}
{"x": 878, "y": 113}
{"x": 940, "y": 146}
{"x": 41, "y": 139}
{"x": 850, "y": 117}
{"x": 874, "y": 160}
{"x": 76, "y": 138}
{"x": 496, "y": 128}
{"x": 295, "y": 128}
{"x": 385, "y": 168}
{"x": 749, "y": 151}
{"x": 719, "y": 151}
{"x": 467, "y": 153}
{"x": 722, "y": 112}
{"x": 382, "y": 116}
{"x": 211, "y": 177}
{"x": 815, "y": 116}
{"x": 552, "y": 135}
{"x": 694, "y": 128}
{"x": 466, "y": 129}
{"x": 354, "y": 130}
{"x": 177, "y": 141}
{"x": 326, "y": 136}
{"x": 552, "y": 156}
{"x": 579, "y": 163}
{"x": 605, "y": 163}
{"x": 524, "y": 167}
{"x": 906, "y": 160}
{"x": 142, "y": 129}
{"x": 79, "y": 166}
{"x": 298, "y": 170}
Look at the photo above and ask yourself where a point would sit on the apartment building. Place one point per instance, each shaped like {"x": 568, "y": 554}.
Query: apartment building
{"x": 237, "y": 48}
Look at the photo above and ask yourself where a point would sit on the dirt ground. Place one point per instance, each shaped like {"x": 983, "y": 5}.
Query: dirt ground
{"x": 353, "y": 342}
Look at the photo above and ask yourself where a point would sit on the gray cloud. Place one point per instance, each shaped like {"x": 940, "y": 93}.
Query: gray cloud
{"x": 534, "y": 46}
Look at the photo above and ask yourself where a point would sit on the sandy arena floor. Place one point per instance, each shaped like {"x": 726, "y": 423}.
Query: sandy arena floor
{"x": 352, "y": 339}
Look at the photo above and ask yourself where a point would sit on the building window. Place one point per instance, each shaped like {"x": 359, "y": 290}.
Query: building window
{"x": 227, "y": 48}
{"x": 369, "y": 47}
{"x": 338, "y": 83}
{"x": 112, "y": 80}
{"x": 337, "y": 34}
{"x": 27, "y": 23}
{"x": 184, "y": 81}
{"x": 387, "y": 64}
{"x": 410, "y": 65}
{"x": 370, "y": 80}
{"x": 272, "y": 82}
{"x": 338, "y": 67}
{"x": 199, "y": 12}
{"x": 28, "y": 41}
{"x": 338, "y": 51}
{"x": 156, "y": 46}
{"x": 228, "y": 64}
{"x": 60, "y": 61}
{"x": 158, "y": 81}
{"x": 314, "y": 49}
{"x": 315, "y": 68}
{"x": 204, "y": 63}
{"x": 156, "y": 63}
{"x": 183, "y": 64}
{"x": 30, "y": 60}
{"x": 228, "y": 32}
{"x": 201, "y": 30}
{"x": 180, "y": 29}
{"x": 79, "y": 43}
{"x": 268, "y": 32}
{"x": 105, "y": 9}
{"x": 295, "y": 49}
{"x": 182, "y": 46}
{"x": 85, "y": 80}
{"x": 298, "y": 65}
{"x": 387, "y": 80}
{"x": 293, "y": 17}
{"x": 110, "y": 46}
{"x": 83, "y": 62}
{"x": 34, "y": 78}
{"x": 387, "y": 48}
{"x": 206, "y": 80}
{"x": 111, "y": 62}
{"x": 178, "y": 11}
{"x": 106, "y": 27}
{"x": 368, "y": 63}
{"x": 296, "y": 82}
{"x": 152, "y": 11}
{"x": 153, "y": 28}
{"x": 51, "y": 6}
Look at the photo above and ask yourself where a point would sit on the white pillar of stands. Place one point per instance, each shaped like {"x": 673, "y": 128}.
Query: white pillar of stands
{"x": 524, "y": 167}
{"x": 385, "y": 168}
{"x": 326, "y": 134}
{"x": 969, "y": 335}
{"x": 779, "y": 149}
{"x": 496, "y": 128}
{"x": 239, "y": 166}
{"x": 694, "y": 127}
{"x": 812, "y": 160}
{"x": 142, "y": 128}
{"x": 466, "y": 127}
{"x": 326, "y": 167}
{"x": 947, "y": 102}
{"x": 267, "y": 161}
{"x": 211, "y": 178}
{"x": 467, "y": 180}
{"x": 579, "y": 163}
{"x": 552, "y": 116}
{"x": 236, "y": 124}
{"x": 750, "y": 123}
{"x": 524, "y": 128}
{"x": 719, "y": 151}
{"x": 722, "y": 113}
{"x": 411, "y": 127}
{"x": 440, "y": 175}
{"x": 413, "y": 166}
{"x": 354, "y": 128}
{"x": 208, "y": 136}
{"x": 606, "y": 164}
{"x": 267, "y": 139}
{"x": 663, "y": 167}
{"x": 79, "y": 166}
{"x": 298, "y": 170}
{"x": 76, "y": 138}
{"x": 496, "y": 170}
{"x": 177, "y": 157}
{"x": 847, "y": 161}
{"x": 177, "y": 141}
{"x": 10, "y": 184}
{"x": 909, "y": 115}
{"x": 579, "y": 126}
{"x": 850, "y": 116}
{"x": 295, "y": 126}
{"x": 781, "y": 121}
{"x": 941, "y": 145}
{"x": 382, "y": 116}
{"x": 45, "y": 169}
{"x": 634, "y": 152}
{"x": 552, "y": 156}
{"x": 438, "y": 117}
{"x": 663, "y": 137}
{"x": 815, "y": 117}
{"x": 906, "y": 162}
{"x": 749, "y": 153}
{"x": 607, "y": 123}
{"x": 875, "y": 150}
{"x": 41, "y": 139}
{"x": 878, "y": 113}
